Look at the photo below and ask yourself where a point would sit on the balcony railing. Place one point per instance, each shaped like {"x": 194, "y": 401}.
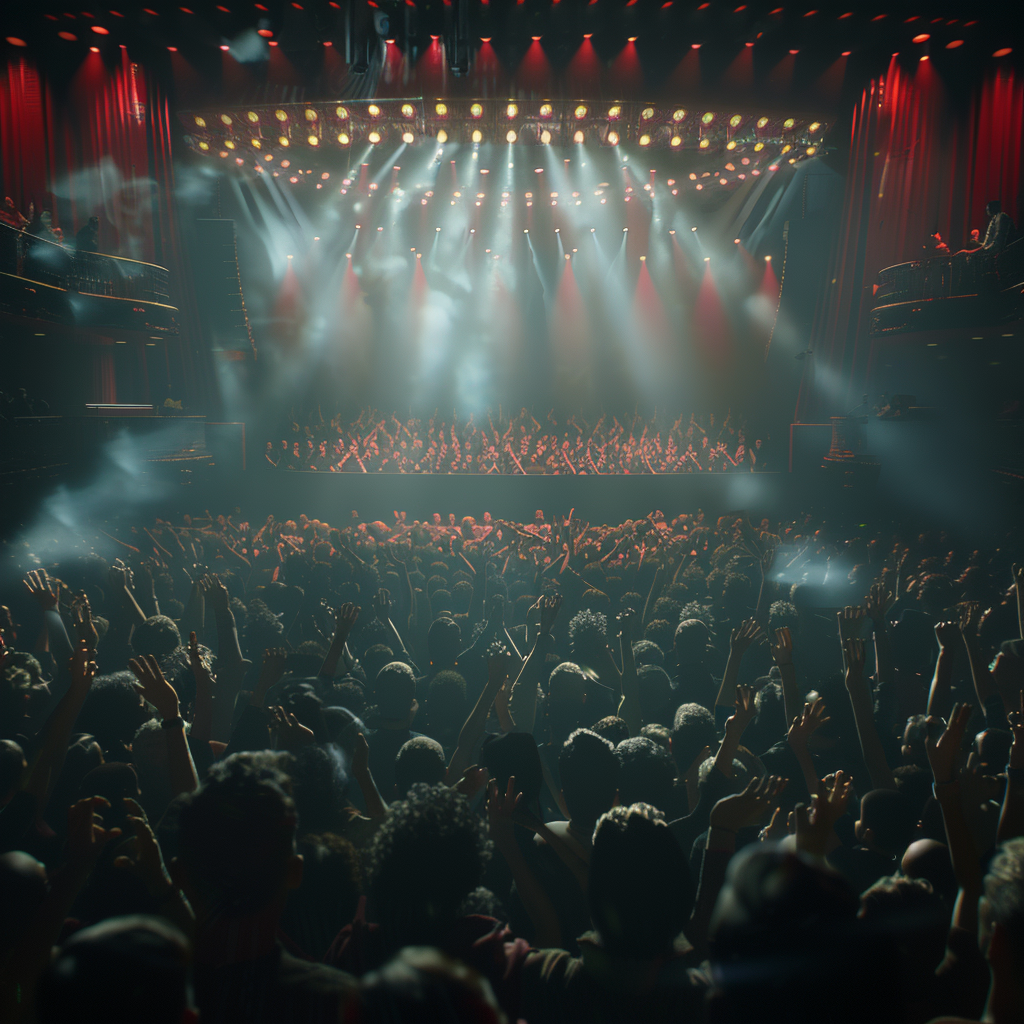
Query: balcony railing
{"x": 910, "y": 296}
{"x": 89, "y": 273}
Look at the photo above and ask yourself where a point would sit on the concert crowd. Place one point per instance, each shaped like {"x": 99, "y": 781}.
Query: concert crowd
{"x": 663, "y": 770}
{"x": 521, "y": 445}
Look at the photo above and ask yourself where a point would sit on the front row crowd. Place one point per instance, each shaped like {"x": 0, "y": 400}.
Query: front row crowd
{"x": 658, "y": 771}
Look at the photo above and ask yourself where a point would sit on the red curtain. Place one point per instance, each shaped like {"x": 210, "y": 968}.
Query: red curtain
{"x": 920, "y": 161}
{"x": 104, "y": 149}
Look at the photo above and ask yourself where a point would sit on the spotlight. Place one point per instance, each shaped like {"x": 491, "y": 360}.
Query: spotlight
{"x": 676, "y": 141}
{"x": 373, "y": 110}
{"x": 478, "y": 136}
{"x": 645, "y": 140}
{"x": 545, "y": 137}
{"x": 374, "y": 138}
{"x": 923, "y": 37}
{"x": 510, "y": 136}
{"x": 442, "y": 136}
{"x": 767, "y": 259}
{"x": 614, "y": 112}
{"x": 613, "y": 138}
{"x": 546, "y": 110}
{"x": 707, "y": 117}
{"x": 437, "y": 229}
{"x": 592, "y": 230}
{"x": 647, "y": 113}
{"x": 678, "y": 115}
{"x": 578, "y": 138}
{"x": 282, "y": 140}
{"x": 707, "y": 259}
{"x": 788, "y": 123}
{"x": 731, "y": 144}
{"x": 343, "y": 138}
{"x": 441, "y": 109}
{"x": 762, "y": 121}
{"x": 693, "y": 229}
{"x": 811, "y": 150}
{"x": 408, "y": 138}
{"x": 476, "y": 110}
{"x": 225, "y": 119}
{"x": 408, "y": 110}
{"x": 734, "y": 121}
{"x": 813, "y": 126}
{"x": 1004, "y": 51}
{"x": 580, "y": 112}
{"x": 225, "y": 47}
{"x": 704, "y": 143}
{"x": 511, "y": 110}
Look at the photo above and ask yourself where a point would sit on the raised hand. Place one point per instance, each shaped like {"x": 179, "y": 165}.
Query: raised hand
{"x": 947, "y": 633}
{"x": 549, "y": 605}
{"x": 120, "y": 576}
{"x": 152, "y": 685}
{"x": 850, "y": 619}
{"x": 855, "y": 658}
{"x": 345, "y": 620}
{"x": 879, "y": 601}
{"x": 473, "y": 779}
{"x": 38, "y": 584}
{"x": 83, "y": 667}
{"x": 146, "y": 861}
{"x": 782, "y": 647}
{"x": 944, "y": 750}
{"x": 86, "y": 835}
{"x": 969, "y": 621}
{"x": 745, "y": 634}
{"x": 81, "y": 622}
{"x": 215, "y": 592}
{"x": 767, "y": 560}
{"x": 749, "y": 808}
{"x": 499, "y": 661}
{"x": 814, "y": 825}
{"x": 501, "y": 808}
{"x": 381, "y": 605}
{"x": 290, "y": 732}
{"x": 745, "y": 709}
{"x": 811, "y": 719}
{"x": 494, "y": 612}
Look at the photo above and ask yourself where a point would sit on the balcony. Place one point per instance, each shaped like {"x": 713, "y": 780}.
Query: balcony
{"x": 45, "y": 281}
{"x": 959, "y": 291}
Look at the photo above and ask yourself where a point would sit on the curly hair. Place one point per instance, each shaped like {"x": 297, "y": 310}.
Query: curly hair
{"x": 588, "y": 632}
{"x": 426, "y": 858}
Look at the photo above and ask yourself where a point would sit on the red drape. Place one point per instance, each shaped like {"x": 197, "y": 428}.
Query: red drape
{"x": 103, "y": 148}
{"x": 920, "y": 161}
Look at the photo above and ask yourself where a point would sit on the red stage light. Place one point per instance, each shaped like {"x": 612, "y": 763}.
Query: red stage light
{"x": 69, "y": 36}
{"x": 15, "y": 41}
{"x": 1005, "y": 51}
{"x": 171, "y": 49}
{"x": 954, "y": 43}
{"x": 273, "y": 42}
{"x": 94, "y": 49}
{"x": 846, "y": 53}
{"x": 921, "y": 37}
{"x": 100, "y": 30}
{"x": 694, "y": 46}
{"x": 265, "y": 32}
{"x": 327, "y": 42}
{"x": 923, "y": 56}
{"x": 224, "y": 46}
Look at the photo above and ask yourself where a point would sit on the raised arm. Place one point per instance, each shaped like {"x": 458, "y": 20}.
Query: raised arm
{"x": 344, "y": 621}
{"x": 1011, "y": 819}
{"x": 734, "y": 728}
{"x": 782, "y": 655}
{"x": 523, "y": 701}
{"x": 812, "y": 718}
{"x": 739, "y": 643}
{"x": 381, "y": 604}
{"x": 864, "y": 716}
{"x": 500, "y": 810}
{"x": 943, "y": 756}
{"x": 473, "y": 728}
{"x": 152, "y": 685}
{"x": 629, "y": 706}
{"x": 948, "y": 635}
